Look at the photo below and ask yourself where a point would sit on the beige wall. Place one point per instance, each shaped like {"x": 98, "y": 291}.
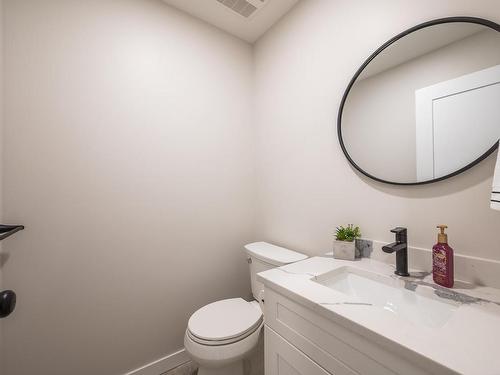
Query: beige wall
{"x": 306, "y": 186}
{"x": 129, "y": 159}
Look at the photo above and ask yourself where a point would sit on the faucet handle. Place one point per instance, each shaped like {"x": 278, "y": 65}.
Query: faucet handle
{"x": 398, "y": 230}
{"x": 401, "y": 234}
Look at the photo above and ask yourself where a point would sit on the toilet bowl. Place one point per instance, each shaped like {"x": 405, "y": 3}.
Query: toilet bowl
{"x": 222, "y": 334}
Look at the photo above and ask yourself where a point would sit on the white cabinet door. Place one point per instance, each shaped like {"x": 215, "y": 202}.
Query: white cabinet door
{"x": 282, "y": 358}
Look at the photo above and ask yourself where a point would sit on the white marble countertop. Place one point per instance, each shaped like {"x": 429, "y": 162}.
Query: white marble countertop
{"x": 466, "y": 342}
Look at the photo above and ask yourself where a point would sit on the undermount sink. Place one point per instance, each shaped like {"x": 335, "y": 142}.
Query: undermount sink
{"x": 420, "y": 307}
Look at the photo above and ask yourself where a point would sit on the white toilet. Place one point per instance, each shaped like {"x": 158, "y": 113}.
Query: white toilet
{"x": 223, "y": 333}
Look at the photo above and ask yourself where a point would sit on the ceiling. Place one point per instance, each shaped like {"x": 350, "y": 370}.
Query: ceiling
{"x": 221, "y": 16}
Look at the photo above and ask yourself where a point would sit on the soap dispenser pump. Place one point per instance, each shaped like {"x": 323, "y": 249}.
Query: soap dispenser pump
{"x": 442, "y": 260}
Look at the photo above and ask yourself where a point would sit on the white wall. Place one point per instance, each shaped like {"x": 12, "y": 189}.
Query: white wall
{"x": 129, "y": 158}
{"x": 306, "y": 186}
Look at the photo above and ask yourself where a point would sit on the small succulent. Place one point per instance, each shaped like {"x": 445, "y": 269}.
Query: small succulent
{"x": 349, "y": 233}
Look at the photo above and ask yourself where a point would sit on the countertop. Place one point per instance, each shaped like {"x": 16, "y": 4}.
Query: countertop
{"x": 465, "y": 343}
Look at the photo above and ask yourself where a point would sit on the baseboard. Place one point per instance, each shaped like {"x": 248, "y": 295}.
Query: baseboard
{"x": 162, "y": 365}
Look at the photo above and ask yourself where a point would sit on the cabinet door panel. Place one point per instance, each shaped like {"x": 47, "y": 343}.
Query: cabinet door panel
{"x": 284, "y": 359}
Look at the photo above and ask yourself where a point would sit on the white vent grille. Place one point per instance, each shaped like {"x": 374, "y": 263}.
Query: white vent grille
{"x": 244, "y": 8}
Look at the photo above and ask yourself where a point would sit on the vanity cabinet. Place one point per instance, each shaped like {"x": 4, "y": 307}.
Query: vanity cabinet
{"x": 282, "y": 358}
{"x": 300, "y": 341}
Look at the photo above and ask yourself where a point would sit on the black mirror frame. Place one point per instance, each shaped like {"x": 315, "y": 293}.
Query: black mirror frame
{"x": 480, "y": 21}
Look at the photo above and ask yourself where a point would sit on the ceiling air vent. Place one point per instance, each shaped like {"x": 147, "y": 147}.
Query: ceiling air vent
{"x": 245, "y": 8}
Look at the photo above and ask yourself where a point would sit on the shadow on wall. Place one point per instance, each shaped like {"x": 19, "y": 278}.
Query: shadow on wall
{"x": 4, "y": 257}
{"x": 472, "y": 177}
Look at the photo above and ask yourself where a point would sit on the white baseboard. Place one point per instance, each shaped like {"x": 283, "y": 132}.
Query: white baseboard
{"x": 162, "y": 365}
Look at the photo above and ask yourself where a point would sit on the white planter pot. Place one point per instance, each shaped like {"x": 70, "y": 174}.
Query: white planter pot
{"x": 344, "y": 250}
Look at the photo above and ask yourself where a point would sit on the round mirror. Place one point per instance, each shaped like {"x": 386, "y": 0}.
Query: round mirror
{"x": 426, "y": 105}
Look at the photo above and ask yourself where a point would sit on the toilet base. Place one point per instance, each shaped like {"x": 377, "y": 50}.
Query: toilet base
{"x": 235, "y": 368}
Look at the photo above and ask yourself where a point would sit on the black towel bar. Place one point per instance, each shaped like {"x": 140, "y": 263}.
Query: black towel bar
{"x": 9, "y": 230}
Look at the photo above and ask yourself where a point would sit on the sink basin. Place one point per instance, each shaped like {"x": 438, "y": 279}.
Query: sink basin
{"x": 420, "y": 307}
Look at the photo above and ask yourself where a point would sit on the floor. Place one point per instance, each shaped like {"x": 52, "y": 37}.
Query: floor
{"x": 189, "y": 368}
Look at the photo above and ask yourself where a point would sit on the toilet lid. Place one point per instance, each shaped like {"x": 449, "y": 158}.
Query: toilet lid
{"x": 226, "y": 319}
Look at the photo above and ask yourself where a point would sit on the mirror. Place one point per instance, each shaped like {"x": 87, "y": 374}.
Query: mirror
{"x": 426, "y": 105}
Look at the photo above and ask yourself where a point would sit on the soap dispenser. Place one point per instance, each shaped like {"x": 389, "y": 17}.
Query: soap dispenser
{"x": 442, "y": 260}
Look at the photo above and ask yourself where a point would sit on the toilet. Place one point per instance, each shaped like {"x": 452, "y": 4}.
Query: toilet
{"x": 222, "y": 334}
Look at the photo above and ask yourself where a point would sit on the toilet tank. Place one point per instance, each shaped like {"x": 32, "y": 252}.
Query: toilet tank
{"x": 262, "y": 256}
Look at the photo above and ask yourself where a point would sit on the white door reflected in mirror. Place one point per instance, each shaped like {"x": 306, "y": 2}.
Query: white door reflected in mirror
{"x": 447, "y": 118}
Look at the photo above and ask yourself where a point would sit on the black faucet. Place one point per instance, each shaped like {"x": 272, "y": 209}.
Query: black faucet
{"x": 401, "y": 249}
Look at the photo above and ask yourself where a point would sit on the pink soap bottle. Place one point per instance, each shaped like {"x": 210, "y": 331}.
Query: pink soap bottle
{"x": 442, "y": 260}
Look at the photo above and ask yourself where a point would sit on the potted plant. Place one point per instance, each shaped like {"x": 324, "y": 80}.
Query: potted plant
{"x": 344, "y": 246}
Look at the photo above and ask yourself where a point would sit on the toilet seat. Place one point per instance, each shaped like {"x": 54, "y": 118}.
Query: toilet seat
{"x": 224, "y": 322}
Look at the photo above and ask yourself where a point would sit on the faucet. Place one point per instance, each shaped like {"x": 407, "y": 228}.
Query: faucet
{"x": 401, "y": 249}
